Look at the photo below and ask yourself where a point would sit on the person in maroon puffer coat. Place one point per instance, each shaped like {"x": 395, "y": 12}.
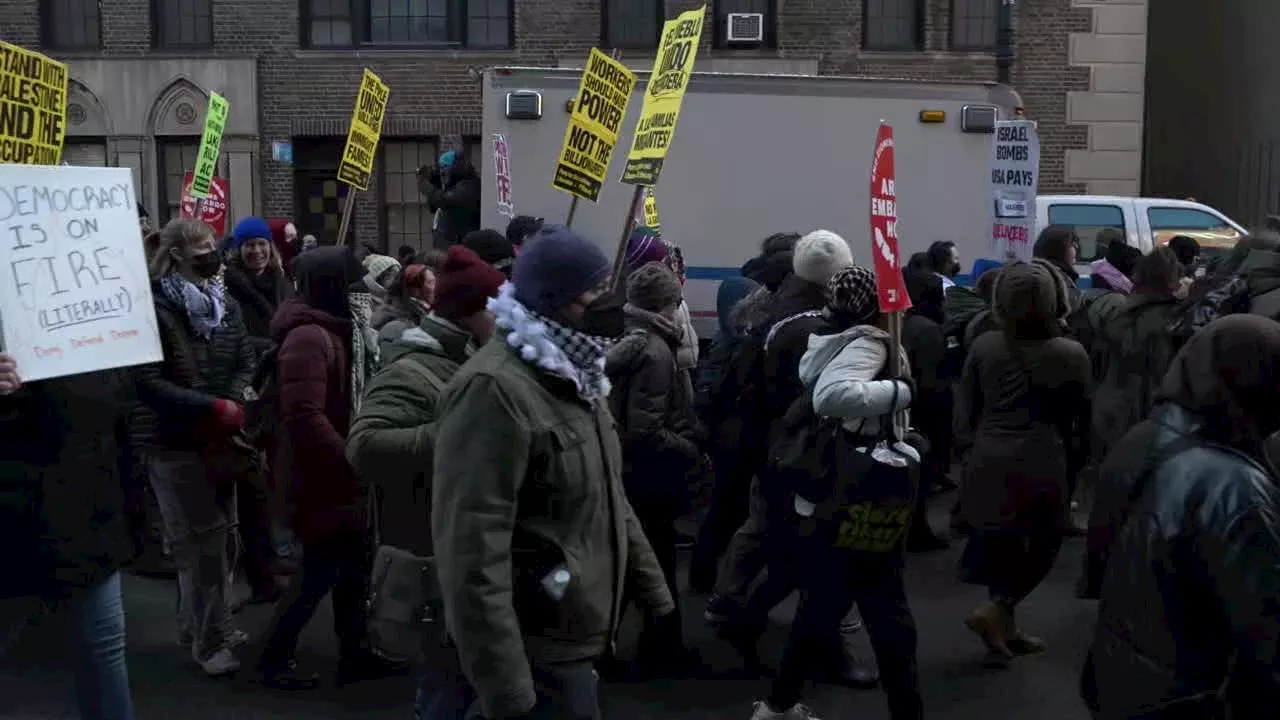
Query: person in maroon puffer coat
{"x": 313, "y": 369}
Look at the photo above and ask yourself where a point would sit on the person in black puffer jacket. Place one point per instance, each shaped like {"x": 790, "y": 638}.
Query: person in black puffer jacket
{"x": 926, "y": 347}
{"x": 452, "y": 190}
{"x": 1188, "y": 500}
{"x": 193, "y": 419}
{"x": 660, "y": 432}
{"x": 256, "y": 279}
{"x": 62, "y": 524}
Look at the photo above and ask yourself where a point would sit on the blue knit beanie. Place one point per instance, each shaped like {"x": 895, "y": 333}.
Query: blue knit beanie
{"x": 248, "y": 229}
{"x": 555, "y": 267}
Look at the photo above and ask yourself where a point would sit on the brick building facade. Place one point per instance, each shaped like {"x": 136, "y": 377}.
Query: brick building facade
{"x": 141, "y": 71}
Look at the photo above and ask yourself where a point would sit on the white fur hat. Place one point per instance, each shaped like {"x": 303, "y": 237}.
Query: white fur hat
{"x": 820, "y": 255}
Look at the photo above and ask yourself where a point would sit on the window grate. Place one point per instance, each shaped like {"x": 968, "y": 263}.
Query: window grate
{"x": 891, "y": 25}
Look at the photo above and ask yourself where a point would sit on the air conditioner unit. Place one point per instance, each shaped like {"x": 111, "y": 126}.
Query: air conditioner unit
{"x": 744, "y": 27}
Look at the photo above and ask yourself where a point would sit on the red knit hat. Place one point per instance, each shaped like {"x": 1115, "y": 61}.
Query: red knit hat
{"x": 464, "y": 284}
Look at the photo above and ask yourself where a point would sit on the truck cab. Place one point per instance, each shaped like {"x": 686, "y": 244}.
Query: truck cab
{"x": 1147, "y": 223}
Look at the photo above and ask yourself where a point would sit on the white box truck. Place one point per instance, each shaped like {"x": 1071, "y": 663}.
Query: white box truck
{"x": 759, "y": 154}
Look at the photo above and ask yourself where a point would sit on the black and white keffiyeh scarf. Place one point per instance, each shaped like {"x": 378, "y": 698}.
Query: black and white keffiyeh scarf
{"x": 559, "y": 350}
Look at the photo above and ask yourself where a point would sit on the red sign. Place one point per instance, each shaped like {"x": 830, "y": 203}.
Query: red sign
{"x": 884, "y": 226}
{"x": 502, "y": 175}
{"x": 213, "y": 209}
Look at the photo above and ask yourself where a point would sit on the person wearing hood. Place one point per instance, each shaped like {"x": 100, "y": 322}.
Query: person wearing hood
{"x": 1188, "y": 529}
{"x": 407, "y": 302}
{"x": 660, "y": 432}
{"x": 494, "y": 248}
{"x": 256, "y": 279}
{"x": 926, "y": 347}
{"x": 843, "y": 371}
{"x": 800, "y": 306}
{"x": 1058, "y": 248}
{"x": 284, "y": 236}
{"x": 1139, "y": 353}
{"x": 191, "y": 426}
{"x": 316, "y": 368}
{"x": 1110, "y": 284}
{"x": 687, "y": 356}
{"x": 452, "y": 191}
{"x": 960, "y": 306}
{"x": 391, "y": 441}
{"x": 1022, "y": 410}
{"x": 534, "y": 537}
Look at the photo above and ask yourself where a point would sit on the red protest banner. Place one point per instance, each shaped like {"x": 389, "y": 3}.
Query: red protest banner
{"x": 213, "y": 209}
{"x": 502, "y": 175}
{"x": 884, "y": 226}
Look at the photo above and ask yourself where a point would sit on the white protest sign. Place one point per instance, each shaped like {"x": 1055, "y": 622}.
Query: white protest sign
{"x": 75, "y": 296}
{"x": 1015, "y": 173}
{"x": 502, "y": 175}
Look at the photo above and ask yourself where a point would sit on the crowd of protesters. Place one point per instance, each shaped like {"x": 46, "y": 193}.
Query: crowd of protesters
{"x": 482, "y": 451}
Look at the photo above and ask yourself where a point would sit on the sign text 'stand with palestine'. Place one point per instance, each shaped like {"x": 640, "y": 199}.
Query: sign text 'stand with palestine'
{"x": 502, "y": 175}
{"x": 366, "y": 126}
{"x": 598, "y": 111}
{"x": 215, "y": 121}
{"x": 663, "y": 96}
{"x": 890, "y": 286}
{"x": 1015, "y": 173}
{"x": 33, "y": 107}
{"x": 76, "y": 296}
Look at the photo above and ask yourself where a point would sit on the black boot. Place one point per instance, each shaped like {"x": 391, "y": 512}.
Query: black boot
{"x": 856, "y": 667}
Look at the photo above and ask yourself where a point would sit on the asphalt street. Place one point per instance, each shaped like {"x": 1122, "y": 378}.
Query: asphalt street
{"x": 33, "y": 685}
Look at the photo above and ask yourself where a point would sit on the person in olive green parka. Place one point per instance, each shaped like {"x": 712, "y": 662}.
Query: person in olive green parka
{"x": 390, "y": 441}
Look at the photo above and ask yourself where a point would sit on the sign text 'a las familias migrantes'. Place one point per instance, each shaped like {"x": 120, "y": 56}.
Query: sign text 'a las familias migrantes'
{"x": 33, "y": 107}
{"x": 76, "y": 296}
{"x": 598, "y": 111}
{"x": 366, "y": 126}
{"x": 663, "y": 96}
{"x": 1015, "y": 172}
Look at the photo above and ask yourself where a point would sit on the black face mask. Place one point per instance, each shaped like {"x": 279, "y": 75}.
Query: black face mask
{"x": 604, "y": 317}
{"x": 206, "y": 265}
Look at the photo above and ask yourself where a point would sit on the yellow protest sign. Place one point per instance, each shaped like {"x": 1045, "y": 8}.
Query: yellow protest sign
{"x": 662, "y": 98}
{"x": 215, "y": 120}
{"x": 366, "y": 126}
{"x": 598, "y": 112}
{"x": 650, "y": 209}
{"x": 33, "y": 107}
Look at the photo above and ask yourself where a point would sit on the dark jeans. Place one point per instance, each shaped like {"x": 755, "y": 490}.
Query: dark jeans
{"x": 730, "y": 496}
{"x": 339, "y": 563}
{"x": 254, "y": 504}
{"x": 1016, "y": 564}
{"x": 444, "y": 692}
{"x": 657, "y": 518}
{"x": 566, "y": 691}
{"x": 832, "y": 582}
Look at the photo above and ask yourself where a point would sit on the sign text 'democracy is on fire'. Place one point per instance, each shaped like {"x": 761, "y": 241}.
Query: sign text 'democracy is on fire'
{"x": 75, "y": 296}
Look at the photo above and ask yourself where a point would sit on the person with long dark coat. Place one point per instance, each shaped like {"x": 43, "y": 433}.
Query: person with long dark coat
{"x": 1022, "y": 408}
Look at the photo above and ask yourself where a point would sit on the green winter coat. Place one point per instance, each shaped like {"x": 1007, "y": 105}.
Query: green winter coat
{"x": 527, "y": 482}
{"x": 390, "y": 443}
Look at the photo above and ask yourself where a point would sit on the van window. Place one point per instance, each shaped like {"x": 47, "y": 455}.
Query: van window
{"x": 1169, "y": 218}
{"x": 1088, "y": 220}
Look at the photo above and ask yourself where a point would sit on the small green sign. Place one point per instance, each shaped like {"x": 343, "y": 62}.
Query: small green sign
{"x": 207, "y": 159}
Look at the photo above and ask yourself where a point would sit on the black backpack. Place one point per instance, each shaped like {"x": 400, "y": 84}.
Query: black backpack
{"x": 1230, "y": 298}
{"x": 262, "y": 411}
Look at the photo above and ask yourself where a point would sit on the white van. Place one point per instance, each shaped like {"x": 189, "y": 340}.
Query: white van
{"x": 1147, "y": 222}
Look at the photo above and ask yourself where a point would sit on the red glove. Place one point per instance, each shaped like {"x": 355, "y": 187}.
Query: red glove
{"x": 228, "y": 415}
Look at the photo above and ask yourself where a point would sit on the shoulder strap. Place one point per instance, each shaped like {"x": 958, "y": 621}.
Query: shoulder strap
{"x": 1164, "y": 455}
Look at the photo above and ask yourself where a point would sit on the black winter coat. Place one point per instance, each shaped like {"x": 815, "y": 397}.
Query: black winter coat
{"x": 1191, "y": 579}
{"x": 458, "y": 200}
{"x": 259, "y": 296}
{"x": 653, "y": 403}
{"x": 926, "y": 348}
{"x": 788, "y": 341}
{"x": 61, "y": 503}
{"x": 178, "y": 393}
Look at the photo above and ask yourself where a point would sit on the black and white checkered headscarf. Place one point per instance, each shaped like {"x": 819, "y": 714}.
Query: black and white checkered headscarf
{"x": 851, "y": 294}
